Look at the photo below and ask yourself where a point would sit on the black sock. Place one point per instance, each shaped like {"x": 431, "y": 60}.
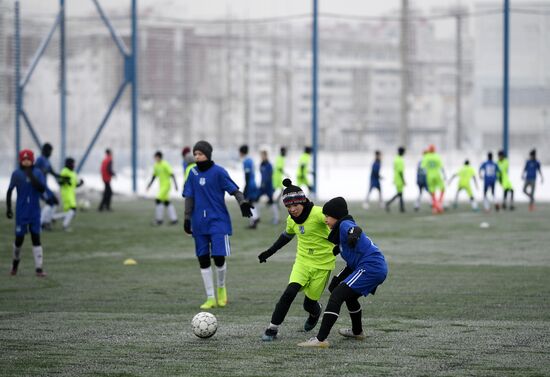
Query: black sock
{"x": 15, "y": 264}
{"x": 354, "y": 308}
{"x": 282, "y": 307}
{"x": 329, "y": 319}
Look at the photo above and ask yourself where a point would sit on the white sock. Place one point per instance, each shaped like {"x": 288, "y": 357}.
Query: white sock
{"x": 159, "y": 212}
{"x": 221, "y": 271}
{"x": 68, "y": 218}
{"x": 474, "y": 204}
{"x": 275, "y": 210}
{"x": 486, "y": 203}
{"x": 37, "y": 253}
{"x": 16, "y": 252}
{"x": 45, "y": 215}
{"x": 172, "y": 212}
{"x": 255, "y": 212}
{"x": 59, "y": 215}
{"x": 208, "y": 282}
{"x": 51, "y": 213}
{"x": 272, "y": 326}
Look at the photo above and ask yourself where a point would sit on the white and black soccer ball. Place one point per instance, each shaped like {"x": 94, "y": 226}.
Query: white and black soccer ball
{"x": 84, "y": 204}
{"x": 204, "y": 324}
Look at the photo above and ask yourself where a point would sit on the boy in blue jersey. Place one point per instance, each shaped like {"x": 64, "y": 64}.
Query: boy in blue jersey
{"x": 251, "y": 192}
{"x": 421, "y": 182}
{"x": 375, "y": 178}
{"x": 266, "y": 185}
{"x": 30, "y": 184}
{"x": 44, "y": 165}
{"x": 532, "y": 166}
{"x": 365, "y": 270}
{"x": 488, "y": 171}
{"x": 207, "y": 219}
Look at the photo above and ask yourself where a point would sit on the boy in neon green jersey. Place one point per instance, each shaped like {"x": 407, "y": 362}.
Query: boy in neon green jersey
{"x": 435, "y": 178}
{"x": 68, "y": 182}
{"x": 314, "y": 258}
{"x": 279, "y": 172}
{"x": 163, "y": 171}
{"x": 398, "y": 179}
{"x": 465, "y": 175}
{"x": 504, "y": 179}
{"x": 302, "y": 176}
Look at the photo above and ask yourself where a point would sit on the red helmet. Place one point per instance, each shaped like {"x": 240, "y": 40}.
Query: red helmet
{"x": 431, "y": 148}
{"x": 26, "y": 154}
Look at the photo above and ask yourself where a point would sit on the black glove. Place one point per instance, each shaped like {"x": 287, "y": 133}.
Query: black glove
{"x": 9, "y": 213}
{"x": 336, "y": 250}
{"x": 187, "y": 226}
{"x": 353, "y": 236}
{"x": 264, "y": 255}
{"x": 246, "y": 209}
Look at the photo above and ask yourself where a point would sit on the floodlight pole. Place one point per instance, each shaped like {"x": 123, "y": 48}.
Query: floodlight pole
{"x": 314, "y": 88}
{"x": 506, "y": 77}
{"x": 17, "y": 87}
{"x": 134, "y": 80}
{"x": 62, "y": 83}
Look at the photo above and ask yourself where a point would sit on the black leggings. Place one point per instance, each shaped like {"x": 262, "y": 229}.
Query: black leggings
{"x": 342, "y": 293}
{"x": 35, "y": 238}
{"x": 204, "y": 261}
{"x": 288, "y": 296}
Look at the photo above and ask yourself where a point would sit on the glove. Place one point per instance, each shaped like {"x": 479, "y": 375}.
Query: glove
{"x": 187, "y": 226}
{"x": 264, "y": 255}
{"x": 246, "y": 209}
{"x": 353, "y": 236}
{"x": 336, "y": 250}
{"x": 9, "y": 213}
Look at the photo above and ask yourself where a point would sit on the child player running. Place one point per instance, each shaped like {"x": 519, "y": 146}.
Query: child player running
{"x": 314, "y": 258}
{"x": 365, "y": 270}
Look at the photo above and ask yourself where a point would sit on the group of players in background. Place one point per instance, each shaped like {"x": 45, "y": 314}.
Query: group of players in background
{"x": 431, "y": 178}
{"x": 322, "y": 232}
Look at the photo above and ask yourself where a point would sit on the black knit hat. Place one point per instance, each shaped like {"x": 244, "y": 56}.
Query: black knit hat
{"x": 204, "y": 147}
{"x": 293, "y": 194}
{"x": 336, "y": 207}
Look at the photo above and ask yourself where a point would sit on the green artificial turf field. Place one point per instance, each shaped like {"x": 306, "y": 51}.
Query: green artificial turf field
{"x": 459, "y": 300}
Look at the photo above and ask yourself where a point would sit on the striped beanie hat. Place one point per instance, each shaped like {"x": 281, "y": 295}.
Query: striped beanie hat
{"x": 293, "y": 194}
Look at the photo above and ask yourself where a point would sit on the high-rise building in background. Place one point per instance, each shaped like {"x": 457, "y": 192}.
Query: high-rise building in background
{"x": 239, "y": 82}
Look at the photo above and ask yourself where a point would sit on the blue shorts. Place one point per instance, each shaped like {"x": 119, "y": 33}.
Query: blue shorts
{"x": 363, "y": 282}
{"x": 422, "y": 185}
{"x": 489, "y": 185}
{"x": 212, "y": 244}
{"x": 33, "y": 226}
{"x": 374, "y": 184}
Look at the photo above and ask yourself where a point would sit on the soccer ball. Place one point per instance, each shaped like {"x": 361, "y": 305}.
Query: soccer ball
{"x": 204, "y": 324}
{"x": 84, "y": 204}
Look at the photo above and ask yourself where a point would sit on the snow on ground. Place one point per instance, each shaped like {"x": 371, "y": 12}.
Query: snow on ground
{"x": 340, "y": 174}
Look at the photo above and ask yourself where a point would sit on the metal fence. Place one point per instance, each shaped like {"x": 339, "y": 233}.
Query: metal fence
{"x": 247, "y": 80}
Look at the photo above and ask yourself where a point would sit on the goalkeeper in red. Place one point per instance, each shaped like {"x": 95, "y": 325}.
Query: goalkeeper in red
{"x": 365, "y": 270}
{"x": 314, "y": 259}
{"x": 207, "y": 219}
